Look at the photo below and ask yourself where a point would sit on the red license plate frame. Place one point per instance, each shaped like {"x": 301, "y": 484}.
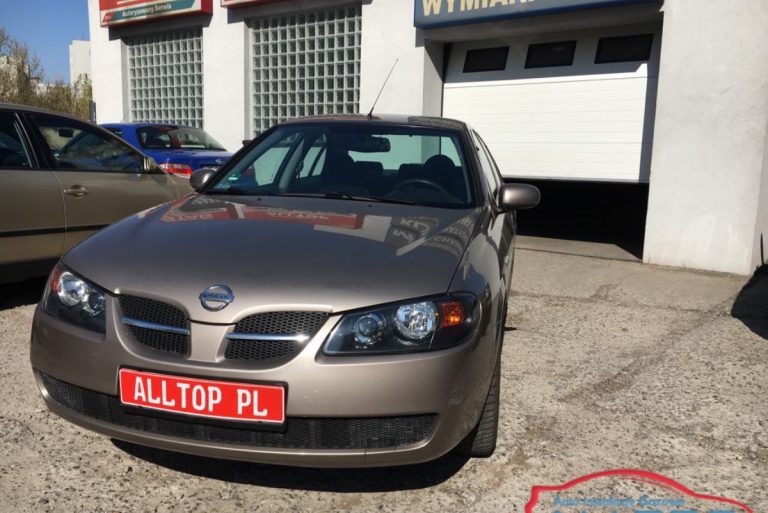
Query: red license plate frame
{"x": 213, "y": 399}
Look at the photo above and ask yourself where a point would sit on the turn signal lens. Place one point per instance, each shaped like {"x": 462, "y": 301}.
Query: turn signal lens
{"x": 452, "y": 314}
{"x": 176, "y": 169}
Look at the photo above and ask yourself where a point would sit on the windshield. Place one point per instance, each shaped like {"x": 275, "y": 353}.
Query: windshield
{"x": 422, "y": 166}
{"x": 176, "y": 138}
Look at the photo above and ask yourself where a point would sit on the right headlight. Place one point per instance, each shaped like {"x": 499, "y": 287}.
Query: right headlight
{"x": 410, "y": 326}
{"x": 74, "y": 299}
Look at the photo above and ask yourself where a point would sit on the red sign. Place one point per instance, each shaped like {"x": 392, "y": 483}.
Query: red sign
{"x": 121, "y": 12}
{"x": 224, "y": 400}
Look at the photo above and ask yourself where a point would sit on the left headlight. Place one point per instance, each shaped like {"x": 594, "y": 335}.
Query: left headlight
{"x": 419, "y": 325}
{"x": 74, "y": 299}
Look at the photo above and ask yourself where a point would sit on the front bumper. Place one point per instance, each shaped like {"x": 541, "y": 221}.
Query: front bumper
{"x": 342, "y": 411}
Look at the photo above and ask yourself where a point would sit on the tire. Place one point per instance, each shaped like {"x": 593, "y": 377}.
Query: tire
{"x": 481, "y": 441}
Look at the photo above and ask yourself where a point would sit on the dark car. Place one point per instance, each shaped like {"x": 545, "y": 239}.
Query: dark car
{"x": 61, "y": 180}
{"x": 334, "y": 296}
{"x": 177, "y": 149}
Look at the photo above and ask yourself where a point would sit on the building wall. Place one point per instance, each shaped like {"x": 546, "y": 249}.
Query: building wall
{"x": 760, "y": 251}
{"x": 79, "y": 59}
{"x": 710, "y": 136}
{"x": 415, "y": 86}
{"x": 106, "y": 69}
{"x": 225, "y": 110}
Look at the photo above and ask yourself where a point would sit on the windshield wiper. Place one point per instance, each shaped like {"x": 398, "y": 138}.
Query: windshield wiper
{"x": 322, "y": 195}
{"x": 350, "y": 197}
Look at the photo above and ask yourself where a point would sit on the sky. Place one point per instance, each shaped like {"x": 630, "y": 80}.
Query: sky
{"x": 47, "y": 27}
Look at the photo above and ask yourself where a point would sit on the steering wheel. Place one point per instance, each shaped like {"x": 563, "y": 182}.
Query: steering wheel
{"x": 420, "y": 182}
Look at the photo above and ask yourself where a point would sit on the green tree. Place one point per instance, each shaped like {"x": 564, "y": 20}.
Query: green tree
{"x": 21, "y": 81}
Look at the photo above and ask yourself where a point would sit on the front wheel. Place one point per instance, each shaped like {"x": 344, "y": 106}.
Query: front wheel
{"x": 481, "y": 441}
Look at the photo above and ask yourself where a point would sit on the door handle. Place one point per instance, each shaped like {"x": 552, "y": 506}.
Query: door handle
{"x": 77, "y": 191}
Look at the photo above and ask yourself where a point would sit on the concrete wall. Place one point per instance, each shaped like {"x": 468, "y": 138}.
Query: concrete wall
{"x": 710, "y": 136}
{"x": 106, "y": 70}
{"x": 760, "y": 252}
{"x": 225, "y": 111}
{"x": 388, "y": 33}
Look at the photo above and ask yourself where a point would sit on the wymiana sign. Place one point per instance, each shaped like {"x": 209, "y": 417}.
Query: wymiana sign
{"x": 120, "y": 12}
{"x": 437, "y": 13}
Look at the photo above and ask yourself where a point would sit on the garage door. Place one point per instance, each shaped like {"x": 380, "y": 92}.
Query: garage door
{"x": 561, "y": 106}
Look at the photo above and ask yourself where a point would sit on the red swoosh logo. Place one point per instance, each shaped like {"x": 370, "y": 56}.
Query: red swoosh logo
{"x": 640, "y": 475}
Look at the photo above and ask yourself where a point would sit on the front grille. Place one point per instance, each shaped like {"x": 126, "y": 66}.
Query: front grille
{"x": 150, "y": 310}
{"x": 260, "y": 349}
{"x": 282, "y": 323}
{"x": 158, "y": 313}
{"x": 161, "y": 340}
{"x": 300, "y": 432}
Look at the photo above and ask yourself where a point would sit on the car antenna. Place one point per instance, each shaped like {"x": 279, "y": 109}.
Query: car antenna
{"x": 370, "y": 114}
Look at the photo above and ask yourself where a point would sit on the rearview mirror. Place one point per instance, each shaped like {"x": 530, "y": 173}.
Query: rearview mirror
{"x": 364, "y": 143}
{"x": 201, "y": 177}
{"x": 518, "y": 196}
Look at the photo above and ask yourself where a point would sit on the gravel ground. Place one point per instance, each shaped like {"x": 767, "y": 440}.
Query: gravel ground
{"x": 606, "y": 365}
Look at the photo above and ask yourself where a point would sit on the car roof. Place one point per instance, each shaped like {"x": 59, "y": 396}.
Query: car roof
{"x": 37, "y": 110}
{"x": 385, "y": 119}
{"x": 147, "y": 124}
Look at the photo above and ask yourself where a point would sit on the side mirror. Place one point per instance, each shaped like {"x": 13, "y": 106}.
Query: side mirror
{"x": 149, "y": 165}
{"x": 518, "y": 196}
{"x": 200, "y": 177}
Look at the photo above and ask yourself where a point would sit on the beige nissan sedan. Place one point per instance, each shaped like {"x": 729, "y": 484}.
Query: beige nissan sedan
{"x": 61, "y": 180}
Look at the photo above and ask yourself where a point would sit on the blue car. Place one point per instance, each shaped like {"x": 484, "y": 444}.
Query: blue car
{"x": 179, "y": 150}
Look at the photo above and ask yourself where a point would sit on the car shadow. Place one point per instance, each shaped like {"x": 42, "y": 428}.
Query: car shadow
{"x": 361, "y": 480}
{"x": 21, "y": 293}
{"x": 751, "y": 304}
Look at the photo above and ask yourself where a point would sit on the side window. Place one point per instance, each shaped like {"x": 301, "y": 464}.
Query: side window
{"x": 265, "y": 167}
{"x": 77, "y": 146}
{"x": 490, "y": 171}
{"x": 13, "y": 150}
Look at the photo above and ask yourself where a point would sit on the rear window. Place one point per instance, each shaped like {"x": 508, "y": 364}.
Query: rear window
{"x": 175, "y": 138}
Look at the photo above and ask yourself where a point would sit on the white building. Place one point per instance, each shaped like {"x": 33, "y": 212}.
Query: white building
{"x": 672, "y": 94}
{"x": 79, "y": 59}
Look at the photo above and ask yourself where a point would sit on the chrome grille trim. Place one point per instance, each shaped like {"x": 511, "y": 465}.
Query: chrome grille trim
{"x": 267, "y": 337}
{"x": 154, "y": 326}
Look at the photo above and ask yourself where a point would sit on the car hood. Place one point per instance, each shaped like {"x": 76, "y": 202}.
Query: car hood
{"x": 278, "y": 253}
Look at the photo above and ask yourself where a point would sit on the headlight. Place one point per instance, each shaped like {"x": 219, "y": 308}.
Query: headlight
{"x": 76, "y": 300}
{"x": 422, "y": 325}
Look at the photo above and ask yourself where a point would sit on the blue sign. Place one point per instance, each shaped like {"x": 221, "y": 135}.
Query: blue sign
{"x": 439, "y": 13}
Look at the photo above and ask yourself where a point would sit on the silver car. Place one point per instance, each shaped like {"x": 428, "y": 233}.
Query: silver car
{"x": 334, "y": 296}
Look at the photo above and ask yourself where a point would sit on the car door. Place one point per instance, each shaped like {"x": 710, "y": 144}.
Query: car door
{"x": 31, "y": 206}
{"x": 102, "y": 178}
